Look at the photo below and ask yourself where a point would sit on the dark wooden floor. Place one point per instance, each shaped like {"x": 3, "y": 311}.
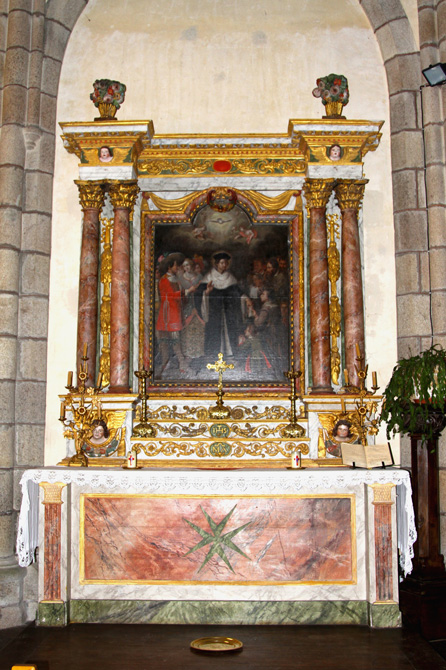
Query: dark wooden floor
{"x": 140, "y": 647}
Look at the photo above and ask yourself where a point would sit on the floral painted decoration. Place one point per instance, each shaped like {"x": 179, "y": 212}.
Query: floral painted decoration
{"x": 332, "y": 88}
{"x": 108, "y": 92}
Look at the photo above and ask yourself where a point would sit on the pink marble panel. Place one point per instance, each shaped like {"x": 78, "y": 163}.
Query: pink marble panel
{"x": 274, "y": 539}
{"x": 52, "y": 553}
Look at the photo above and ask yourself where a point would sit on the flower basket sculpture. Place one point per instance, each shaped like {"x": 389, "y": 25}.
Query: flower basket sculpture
{"x": 333, "y": 91}
{"x": 107, "y": 96}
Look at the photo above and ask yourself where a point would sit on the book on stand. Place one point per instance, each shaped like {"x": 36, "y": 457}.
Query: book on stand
{"x": 369, "y": 456}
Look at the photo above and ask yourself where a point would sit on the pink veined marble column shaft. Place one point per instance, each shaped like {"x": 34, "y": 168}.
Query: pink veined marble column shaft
{"x": 122, "y": 195}
{"x": 349, "y": 194}
{"x": 51, "y": 570}
{"x": 91, "y": 197}
{"x": 319, "y": 303}
{"x": 352, "y": 298}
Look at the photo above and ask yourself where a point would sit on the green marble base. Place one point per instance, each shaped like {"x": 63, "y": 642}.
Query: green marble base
{"x": 385, "y": 615}
{"x": 52, "y": 614}
{"x": 219, "y": 612}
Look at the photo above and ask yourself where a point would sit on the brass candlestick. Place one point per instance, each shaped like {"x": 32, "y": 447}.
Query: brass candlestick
{"x": 293, "y": 430}
{"x": 365, "y": 407}
{"x": 84, "y": 410}
{"x": 219, "y": 411}
{"x": 143, "y": 429}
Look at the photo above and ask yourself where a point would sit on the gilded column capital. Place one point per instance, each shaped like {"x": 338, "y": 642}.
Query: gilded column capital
{"x": 350, "y": 192}
{"x": 52, "y": 492}
{"x": 318, "y": 191}
{"x": 91, "y": 194}
{"x": 123, "y": 194}
{"x": 382, "y": 494}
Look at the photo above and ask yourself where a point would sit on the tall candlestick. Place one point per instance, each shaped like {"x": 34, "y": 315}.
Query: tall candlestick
{"x": 85, "y": 349}
{"x": 374, "y": 380}
{"x": 99, "y": 382}
{"x": 346, "y": 377}
{"x": 342, "y": 405}
{"x": 99, "y": 411}
{"x": 358, "y": 350}
{"x": 62, "y": 410}
{"x": 70, "y": 379}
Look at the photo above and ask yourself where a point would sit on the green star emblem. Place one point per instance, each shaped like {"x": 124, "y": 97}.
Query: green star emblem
{"x": 216, "y": 539}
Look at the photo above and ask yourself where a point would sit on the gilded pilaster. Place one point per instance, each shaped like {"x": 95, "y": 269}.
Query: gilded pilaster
{"x": 334, "y": 272}
{"x": 317, "y": 193}
{"x": 106, "y": 267}
{"x": 349, "y": 194}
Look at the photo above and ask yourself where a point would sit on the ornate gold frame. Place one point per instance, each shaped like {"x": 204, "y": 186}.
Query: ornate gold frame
{"x": 261, "y": 209}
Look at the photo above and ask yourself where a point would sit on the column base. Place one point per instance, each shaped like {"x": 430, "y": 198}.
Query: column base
{"x": 52, "y": 613}
{"x": 423, "y": 605}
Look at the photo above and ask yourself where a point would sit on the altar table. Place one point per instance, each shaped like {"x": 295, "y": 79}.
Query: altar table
{"x": 217, "y": 547}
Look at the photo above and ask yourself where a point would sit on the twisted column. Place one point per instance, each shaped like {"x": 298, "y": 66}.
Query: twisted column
{"x": 91, "y": 196}
{"x": 122, "y": 196}
{"x": 349, "y": 194}
{"x": 317, "y": 193}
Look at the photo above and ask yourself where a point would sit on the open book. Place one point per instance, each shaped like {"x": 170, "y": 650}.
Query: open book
{"x": 371, "y": 456}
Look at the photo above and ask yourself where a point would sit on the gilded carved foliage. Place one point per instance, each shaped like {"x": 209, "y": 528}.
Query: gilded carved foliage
{"x": 91, "y": 194}
{"x": 105, "y": 310}
{"x": 318, "y": 192}
{"x": 123, "y": 194}
{"x": 334, "y": 272}
{"x": 350, "y": 192}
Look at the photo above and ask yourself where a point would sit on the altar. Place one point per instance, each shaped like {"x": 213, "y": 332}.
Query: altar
{"x": 308, "y": 546}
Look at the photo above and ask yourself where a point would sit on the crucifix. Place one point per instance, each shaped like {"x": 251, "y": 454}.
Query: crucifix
{"x": 220, "y": 366}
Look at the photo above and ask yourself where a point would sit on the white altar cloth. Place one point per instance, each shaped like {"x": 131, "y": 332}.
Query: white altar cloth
{"x": 220, "y": 482}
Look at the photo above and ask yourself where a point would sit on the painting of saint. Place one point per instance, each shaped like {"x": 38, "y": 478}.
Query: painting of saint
{"x": 227, "y": 291}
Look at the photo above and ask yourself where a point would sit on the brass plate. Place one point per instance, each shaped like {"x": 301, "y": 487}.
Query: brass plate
{"x": 216, "y": 644}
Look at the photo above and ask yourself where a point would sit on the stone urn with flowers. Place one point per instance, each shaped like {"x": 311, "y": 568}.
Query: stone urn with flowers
{"x": 107, "y": 96}
{"x": 333, "y": 91}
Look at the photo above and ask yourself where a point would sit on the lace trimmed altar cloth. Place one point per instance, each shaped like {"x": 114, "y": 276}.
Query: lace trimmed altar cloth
{"x": 196, "y": 482}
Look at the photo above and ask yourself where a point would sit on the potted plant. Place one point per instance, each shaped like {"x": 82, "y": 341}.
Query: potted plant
{"x": 414, "y": 404}
{"x": 414, "y": 399}
{"x": 108, "y": 95}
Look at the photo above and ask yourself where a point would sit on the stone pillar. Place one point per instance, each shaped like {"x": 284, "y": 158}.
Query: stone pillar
{"x": 123, "y": 196}
{"x": 317, "y": 193}
{"x": 349, "y": 194}
{"x": 91, "y": 197}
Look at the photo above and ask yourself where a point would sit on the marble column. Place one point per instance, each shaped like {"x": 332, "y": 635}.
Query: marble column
{"x": 349, "y": 194}
{"x": 123, "y": 196}
{"x": 91, "y": 195}
{"x": 383, "y": 502}
{"x": 317, "y": 193}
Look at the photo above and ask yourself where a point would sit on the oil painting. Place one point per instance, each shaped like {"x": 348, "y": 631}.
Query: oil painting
{"x": 220, "y": 284}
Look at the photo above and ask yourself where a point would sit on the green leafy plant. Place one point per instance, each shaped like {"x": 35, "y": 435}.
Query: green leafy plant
{"x": 414, "y": 399}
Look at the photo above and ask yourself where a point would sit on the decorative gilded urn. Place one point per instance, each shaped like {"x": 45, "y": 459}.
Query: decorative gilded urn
{"x": 107, "y": 96}
{"x": 333, "y": 91}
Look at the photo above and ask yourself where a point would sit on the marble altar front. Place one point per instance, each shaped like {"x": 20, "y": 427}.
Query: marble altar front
{"x": 217, "y": 546}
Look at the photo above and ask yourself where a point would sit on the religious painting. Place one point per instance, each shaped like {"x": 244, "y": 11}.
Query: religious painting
{"x": 219, "y": 284}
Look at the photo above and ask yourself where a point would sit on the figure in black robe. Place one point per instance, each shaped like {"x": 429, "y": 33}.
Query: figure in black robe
{"x": 218, "y": 301}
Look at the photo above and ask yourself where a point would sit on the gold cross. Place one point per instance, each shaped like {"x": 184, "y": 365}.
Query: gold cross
{"x": 220, "y": 366}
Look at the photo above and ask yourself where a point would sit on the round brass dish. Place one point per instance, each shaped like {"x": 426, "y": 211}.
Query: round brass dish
{"x": 216, "y": 644}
